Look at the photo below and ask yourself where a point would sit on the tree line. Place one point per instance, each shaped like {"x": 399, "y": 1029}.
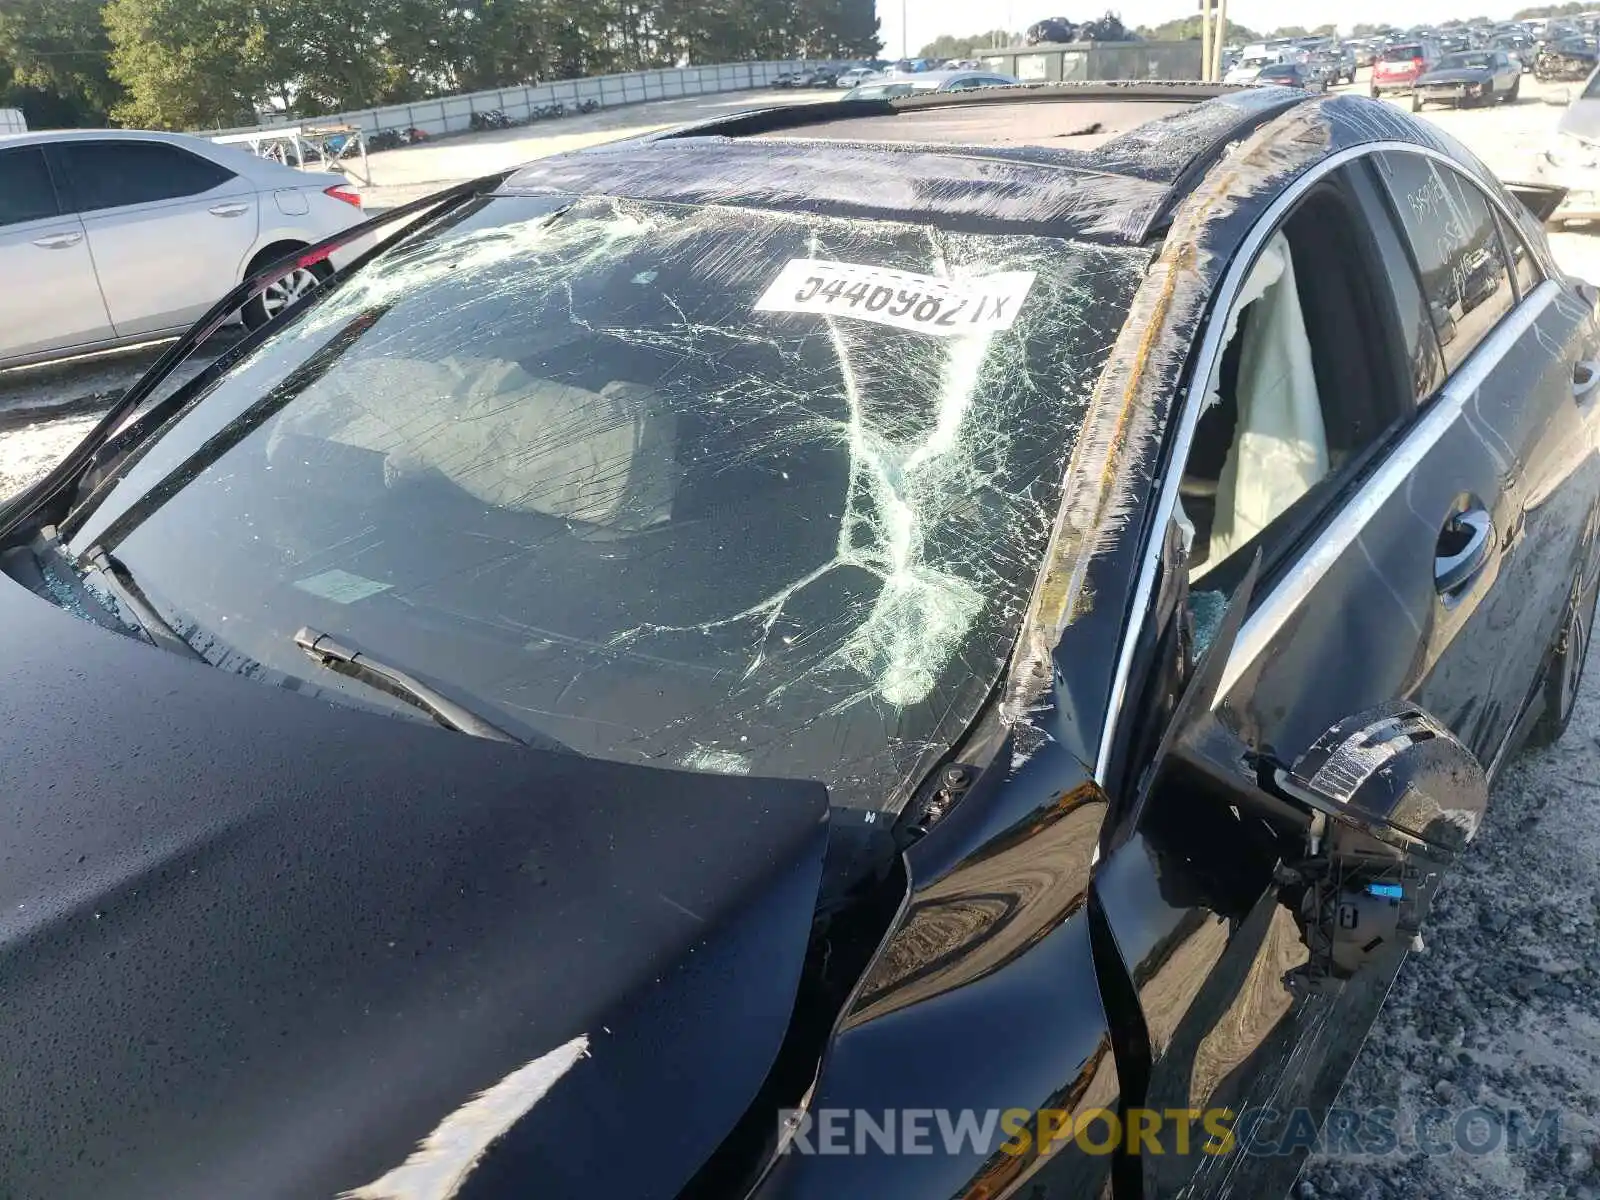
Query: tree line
{"x": 1109, "y": 28}
{"x": 180, "y": 64}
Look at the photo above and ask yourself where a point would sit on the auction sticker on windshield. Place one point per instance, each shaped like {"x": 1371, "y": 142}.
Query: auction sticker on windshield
{"x": 926, "y": 303}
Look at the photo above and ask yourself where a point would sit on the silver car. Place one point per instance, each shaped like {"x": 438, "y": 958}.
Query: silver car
{"x": 113, "y": 237}
{"x": 928, "y": 82}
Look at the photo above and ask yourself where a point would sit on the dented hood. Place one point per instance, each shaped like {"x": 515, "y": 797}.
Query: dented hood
{"x": 257, "y": 945}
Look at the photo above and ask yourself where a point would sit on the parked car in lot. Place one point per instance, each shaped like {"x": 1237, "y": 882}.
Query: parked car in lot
{"x": 855, "y": 77}
{"x": 1571, "y": 159}
{"x": 1295, "y": 75}
{"x": 928, "y": 82}
{"x": 1518, "y": 49}
{"x": 1340, "y": 60}
{"x": 1471, "y": 77}
{"x": 112, "y": 237}
{"x": 1570, "y": 58}
{"x": 1007, "y": 604}
{"x": 1249, "y": 67}
{"x": 1399, "y": 65}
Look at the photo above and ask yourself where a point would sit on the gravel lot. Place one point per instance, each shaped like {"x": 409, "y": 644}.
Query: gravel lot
{"x": 1501, "y": 1010}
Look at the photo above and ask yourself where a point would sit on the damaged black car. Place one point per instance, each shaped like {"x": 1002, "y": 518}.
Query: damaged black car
{"x": 891, "y": 648}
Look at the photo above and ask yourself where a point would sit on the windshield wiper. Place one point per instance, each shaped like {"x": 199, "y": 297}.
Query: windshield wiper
{"x": 341, "y": 658}
{"x": 121, "y": 584}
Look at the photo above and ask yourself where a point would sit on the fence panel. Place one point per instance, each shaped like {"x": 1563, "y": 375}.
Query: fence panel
{"x": 452, "y": 114}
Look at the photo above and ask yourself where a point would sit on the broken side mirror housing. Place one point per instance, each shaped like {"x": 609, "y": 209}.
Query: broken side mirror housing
{"x": 1394, "y": 797}
{"x": 1366, "y": 819}
{"x": 1398, "y": 773}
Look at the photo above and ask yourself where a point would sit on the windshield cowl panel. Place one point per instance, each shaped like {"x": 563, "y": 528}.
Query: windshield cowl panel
{"x": 705, "y": 487}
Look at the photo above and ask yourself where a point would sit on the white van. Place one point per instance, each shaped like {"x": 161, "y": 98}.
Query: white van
{"x": 12, "y": 121}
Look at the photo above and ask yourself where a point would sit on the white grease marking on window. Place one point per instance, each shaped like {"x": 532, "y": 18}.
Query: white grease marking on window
{"x": 899, "y": 299}
{"x": 341, "y": 587}
{"x": 441, "y": 1163}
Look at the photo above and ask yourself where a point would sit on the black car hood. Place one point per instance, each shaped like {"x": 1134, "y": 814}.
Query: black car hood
{"x": 253, "y": 944}
{"x": 1456, "y": 75}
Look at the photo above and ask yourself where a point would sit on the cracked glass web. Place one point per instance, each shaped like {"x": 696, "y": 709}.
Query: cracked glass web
{"x": 571, "y": 474}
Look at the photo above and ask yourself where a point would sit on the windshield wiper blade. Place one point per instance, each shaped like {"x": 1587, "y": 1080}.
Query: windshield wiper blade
{"x": 120, "y": 582}
{"x": 341, "y": 658}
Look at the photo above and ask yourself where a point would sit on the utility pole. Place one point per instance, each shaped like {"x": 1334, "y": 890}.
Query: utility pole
{"x": 1219, "y": 39}
{"x": 1205, "y": 41}
{"x": 905, "y": 30}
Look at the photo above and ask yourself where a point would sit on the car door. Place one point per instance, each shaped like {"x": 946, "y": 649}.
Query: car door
{"x": 1502, "y": 73}
{"x": 1520, "y": 346}
{"x": 169, "y": 229}
{"x": 50, "y": 300}
{"x": 1370, "y": 587}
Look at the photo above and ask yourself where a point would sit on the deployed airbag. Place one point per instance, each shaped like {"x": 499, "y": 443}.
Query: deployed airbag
{"x": 1281, "y": 448}
{"x": 506, "y": 437}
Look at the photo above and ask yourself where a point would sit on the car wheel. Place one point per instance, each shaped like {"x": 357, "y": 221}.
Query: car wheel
{"x": 1565, "y": 672}
{"x": 286, "y": 293}
{"x": 1516, "y": 86}
{"x": 1373, "y": 92}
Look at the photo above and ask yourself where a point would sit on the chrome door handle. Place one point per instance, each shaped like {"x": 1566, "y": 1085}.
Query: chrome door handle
{"x": 58, "y": 241}
{"x": 1463, "y": 550}
{"x": 229, "y": 210}
{"x": 1585, "y": 378}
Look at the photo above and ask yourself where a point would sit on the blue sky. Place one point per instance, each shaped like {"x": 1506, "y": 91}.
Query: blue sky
{"x": 929, "y": 18}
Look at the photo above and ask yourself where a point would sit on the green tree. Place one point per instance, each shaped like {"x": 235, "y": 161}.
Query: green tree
{"x": 191, "y": 63}
{"x": 1187, "y": 29}
{"x": 949, "y": 46}
{"x": 188, "y": 63}
{"x": 57, "y": 56}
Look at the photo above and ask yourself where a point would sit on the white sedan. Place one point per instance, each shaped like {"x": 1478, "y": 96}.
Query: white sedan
{"x": 113, "y": 237}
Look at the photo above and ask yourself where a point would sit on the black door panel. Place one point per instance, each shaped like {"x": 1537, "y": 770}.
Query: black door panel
{"x": 1426, "y": 571}
{"x": 1525, "y": 426}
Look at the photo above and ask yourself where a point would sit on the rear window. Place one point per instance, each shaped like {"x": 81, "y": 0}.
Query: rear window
{"x": 1402, "y": 53}
{"x": 715, "y": 488}
{"x": 118, "y": 172}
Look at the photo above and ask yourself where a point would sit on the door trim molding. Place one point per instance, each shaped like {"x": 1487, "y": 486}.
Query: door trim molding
{"x": 1314, "y": 564}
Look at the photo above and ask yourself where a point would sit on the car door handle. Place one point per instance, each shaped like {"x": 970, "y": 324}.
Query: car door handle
{"x": 229, "y": 210}
{"x": 1585, "y": 378}
{"x": 1463, "y": 550}
{"x": 58, "y": 241}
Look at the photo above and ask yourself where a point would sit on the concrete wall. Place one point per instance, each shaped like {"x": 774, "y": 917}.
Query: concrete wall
{"x": 453, "y": 114}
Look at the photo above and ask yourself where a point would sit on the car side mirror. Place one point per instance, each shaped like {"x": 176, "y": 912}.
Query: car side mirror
{"x": 1366, "y": 818}
{"x": 1393, "y": 797}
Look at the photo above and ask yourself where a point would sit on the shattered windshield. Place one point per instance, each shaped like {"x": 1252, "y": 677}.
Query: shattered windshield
{"x": 735, "y": 491}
